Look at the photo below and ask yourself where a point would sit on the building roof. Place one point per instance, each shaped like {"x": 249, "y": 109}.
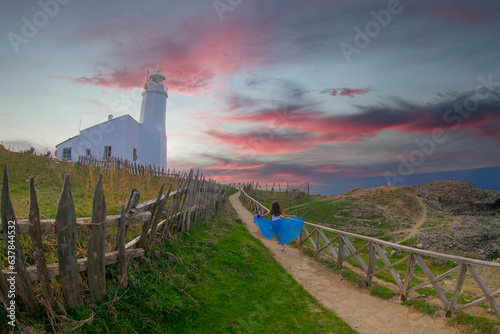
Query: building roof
{"x": 93, "y": 126}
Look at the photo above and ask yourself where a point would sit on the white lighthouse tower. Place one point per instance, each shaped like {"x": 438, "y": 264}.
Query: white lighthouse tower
{"x": 143, "y": 142}
{"x": 153, "y": 133}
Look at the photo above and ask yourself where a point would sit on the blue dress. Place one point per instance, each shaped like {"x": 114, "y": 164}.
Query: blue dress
{"x": 286, "y": 230}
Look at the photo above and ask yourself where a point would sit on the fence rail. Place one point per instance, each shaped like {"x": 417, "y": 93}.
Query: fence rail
{"x": 193, "y": 199}
{"x": 340, "y": 246}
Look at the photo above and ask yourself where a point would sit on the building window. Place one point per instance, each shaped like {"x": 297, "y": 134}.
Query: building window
{"x": 134, "y": 154}
{"x": 66, "y": 154}
{"x": 107, "y": 152}
{"x": 87, "y": 152}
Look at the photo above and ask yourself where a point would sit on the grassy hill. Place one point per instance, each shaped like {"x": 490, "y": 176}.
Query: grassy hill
{"x": 406, "y": 214}
{"x": 216, "y": 279}
{"x": 49, "y": 174}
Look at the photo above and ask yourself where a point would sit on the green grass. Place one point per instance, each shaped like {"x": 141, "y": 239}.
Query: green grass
{"x": 469, "y": 323}
{"x": 422, "y": 306}
{"x": 473, "y": 324}
{"x": 382, "y": 292}
{"x": 49, "y": 174}
{"x": 227, "y": 282}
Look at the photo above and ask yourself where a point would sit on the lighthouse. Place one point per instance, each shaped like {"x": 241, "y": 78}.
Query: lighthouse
{"x": 143, "y": 142}
{"x": 153, "y": 120}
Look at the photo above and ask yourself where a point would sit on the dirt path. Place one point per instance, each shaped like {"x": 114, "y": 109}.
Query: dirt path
{"x": 363, "y": 312}
{"x": 414, "y": 230}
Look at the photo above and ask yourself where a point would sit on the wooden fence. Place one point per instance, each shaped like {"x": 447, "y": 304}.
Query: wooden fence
{"x": 275, "y": 187}
{"x": 340, "y": 246}
{"x": 193, "y": 199}
{"x": 130, "y": 167}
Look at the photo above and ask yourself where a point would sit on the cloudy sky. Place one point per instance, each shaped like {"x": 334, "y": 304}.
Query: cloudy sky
{"x": 295, "y": 90}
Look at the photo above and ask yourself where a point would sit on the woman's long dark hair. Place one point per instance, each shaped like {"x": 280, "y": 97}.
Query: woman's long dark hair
{"x": 275, "y": 209}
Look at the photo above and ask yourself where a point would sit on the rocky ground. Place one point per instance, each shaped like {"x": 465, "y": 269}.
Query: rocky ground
{"x": 447, "y": 216}
{"x": 475, "y": 219}
{"x": 459, "y": 198}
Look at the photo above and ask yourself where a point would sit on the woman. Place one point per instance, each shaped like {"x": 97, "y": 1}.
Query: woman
{"x": 286, "y": 230}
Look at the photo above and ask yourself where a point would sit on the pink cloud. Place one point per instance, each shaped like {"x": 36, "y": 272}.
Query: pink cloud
{"x": 263, "y": 143}
{"x": 191, "y": 59}
{"x": 230, "y": 166}
{"x": 329, "y": 169}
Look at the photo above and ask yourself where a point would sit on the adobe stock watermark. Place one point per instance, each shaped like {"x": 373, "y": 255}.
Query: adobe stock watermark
{"x": 128, "y": 103}
{"x": 92, "y": 137}
{"x": 31, "y": 27}
{"x": 372, "y": 29}
{"x": 222, "y": 7}
{"x": 11, "y": 280}
{"x": 459, "y": 111}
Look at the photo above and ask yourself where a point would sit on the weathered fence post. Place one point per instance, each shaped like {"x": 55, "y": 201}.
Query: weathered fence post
{"x": 203, "y": 202}
{"x": 410, "y": 267}
{"x": 200, "y": 198}
{"x": 4, "y": 288}
{"x": 458, "y": 289}
{"x": 340, "y": 252}
{"x": 318, "y": 241}
{"x": 38, "y": 254}
{"x": 122, "y": 256}
{"x": 155, "y": 218}
{"x": 185, "y": 202}
{"x": 96, "y": 246}
{"x": 171, "y": 215}
{"x": 192, "y": 198}
{"x": 143, "y": 240}
{"x": 11, "y": 235}
{"x": 371, "y": 265}
{"x": 66, "y": 238}
{"x": 133, "y": 200}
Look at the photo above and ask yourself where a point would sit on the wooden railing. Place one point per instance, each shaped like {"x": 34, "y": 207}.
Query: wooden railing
{"x": 340, "y": 246}
{"x": 193, "y": 199}
{"x": 275, "y": 187}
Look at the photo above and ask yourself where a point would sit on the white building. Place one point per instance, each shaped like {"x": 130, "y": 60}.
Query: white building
{"x": 144, "y": 142}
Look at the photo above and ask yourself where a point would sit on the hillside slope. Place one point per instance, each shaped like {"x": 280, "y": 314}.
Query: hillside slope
{"x": 447, "y": 216}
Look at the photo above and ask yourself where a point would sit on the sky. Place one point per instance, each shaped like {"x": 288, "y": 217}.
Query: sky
{"x": 268, "y": 91}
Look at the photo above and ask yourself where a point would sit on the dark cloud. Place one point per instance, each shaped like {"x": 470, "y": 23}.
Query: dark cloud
{"x": 468, "y": 123}
{"x": 465, "y": 112}
{"x": 346, "y": 92}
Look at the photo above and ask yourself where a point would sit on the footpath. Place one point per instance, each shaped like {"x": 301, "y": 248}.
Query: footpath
{"x": 366, "y": 314}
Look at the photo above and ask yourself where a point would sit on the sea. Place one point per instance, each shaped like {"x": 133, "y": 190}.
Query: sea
{"x": 487, "y": 178}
